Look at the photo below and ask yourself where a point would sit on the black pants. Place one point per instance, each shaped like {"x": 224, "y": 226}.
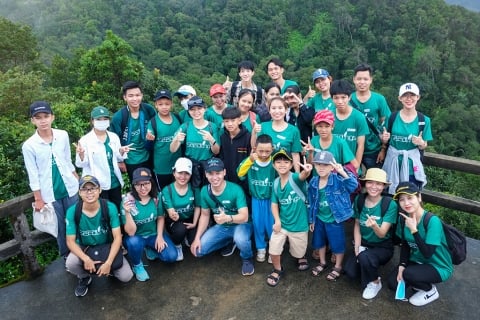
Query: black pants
{"x": 420, "y": 276}
{"x": 113, "y": 195}
{"x": 163, "y": 180}
{"x": 178, "y": 231}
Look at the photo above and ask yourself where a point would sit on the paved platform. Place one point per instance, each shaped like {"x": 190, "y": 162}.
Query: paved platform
{"x": 213, "y": 288}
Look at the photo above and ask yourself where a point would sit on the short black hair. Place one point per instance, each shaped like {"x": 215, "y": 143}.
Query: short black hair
{"x": 246, "y": 64}
{"x": 264, "y": 138}
{"x": 130, "y": 85}
{"x": 244, "y": 92}
{"x": 341, "y": 87}
{"x": 231, "y": 113}
{"x": 271, "y": 85}
{"x": 275, "y": 61}
{"x": 363, "y": 67}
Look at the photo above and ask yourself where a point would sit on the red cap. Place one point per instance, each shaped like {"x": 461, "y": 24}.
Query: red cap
{"x": 324, "y": 116}
{"x": 216, "y": 89}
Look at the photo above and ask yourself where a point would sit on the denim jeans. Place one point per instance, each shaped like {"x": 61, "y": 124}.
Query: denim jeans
{"x": 135, "y": 245}
{"x": 61, "y": 207}
{"x": 218, "y": 235}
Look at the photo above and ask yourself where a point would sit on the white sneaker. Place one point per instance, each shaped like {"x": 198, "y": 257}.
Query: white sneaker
{"x": 179, "y": 252}
{"x": 261, "y": 254}
{"x": 269, "y": 259}
{"x": 372, "y": 290}
{"x": 422, "y": 298}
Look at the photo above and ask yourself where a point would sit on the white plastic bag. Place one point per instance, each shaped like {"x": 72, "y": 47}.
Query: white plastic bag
{"x": 45, "y": 220}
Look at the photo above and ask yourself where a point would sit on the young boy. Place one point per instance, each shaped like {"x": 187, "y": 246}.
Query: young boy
{"x": 258, "y": 170}
{"x": 289, "y": 211}
{"x": 330, "y": 206}
{"x": 51, "y": 174}
{"x": 161, "y": 130}
{"x": 246, "y": 71}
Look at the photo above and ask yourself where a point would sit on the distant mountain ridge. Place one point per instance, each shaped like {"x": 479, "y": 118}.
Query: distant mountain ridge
{"x": 473, "y": 5}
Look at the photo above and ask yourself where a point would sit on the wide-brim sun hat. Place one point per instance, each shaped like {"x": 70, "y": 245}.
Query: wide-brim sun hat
{"x": 376, "y": 174}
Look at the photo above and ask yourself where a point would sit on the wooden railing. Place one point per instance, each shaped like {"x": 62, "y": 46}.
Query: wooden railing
{"x": 26, "y": 240}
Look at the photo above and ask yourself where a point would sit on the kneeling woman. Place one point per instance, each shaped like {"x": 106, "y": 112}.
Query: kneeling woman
{"x": 143, "y": 219}
{"x": 424, "y": 255}
{"x": 374, "y": 215}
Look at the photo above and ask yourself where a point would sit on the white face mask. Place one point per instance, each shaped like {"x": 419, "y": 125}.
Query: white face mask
{"x": 184, "y": 104}
{"x": 101, "y": 125}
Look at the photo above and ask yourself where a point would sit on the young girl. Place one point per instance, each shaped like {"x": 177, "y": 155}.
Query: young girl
{"x": 330, "y": 206}
{"x": 424, "y": 255}
{"x": 373, "y": 245}
{"x": 143, "y": 220}
{"x": 245, "y": 103}
{"x": 322, "y": 99}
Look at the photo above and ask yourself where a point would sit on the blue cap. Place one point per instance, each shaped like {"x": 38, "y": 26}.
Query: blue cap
{"x": 320, "y": 73}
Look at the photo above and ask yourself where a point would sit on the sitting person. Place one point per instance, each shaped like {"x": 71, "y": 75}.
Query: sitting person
{"x": 143, "y": 220}
{"x": 373, "y": 246}
{"x": 226, "y": 201}
{"x": 87, "y": 225}
{"x": 424, "y": 255}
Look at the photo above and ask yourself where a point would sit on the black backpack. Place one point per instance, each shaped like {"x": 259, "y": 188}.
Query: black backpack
{"x": 105, "y": 217}
{"x": 385, "y": 203}
{"x": 421, "y": 125}
{"x": 457, "y": 243}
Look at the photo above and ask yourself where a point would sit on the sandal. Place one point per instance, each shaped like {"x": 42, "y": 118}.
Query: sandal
{"x": 274, "y": 279}
{"x": 334, "y": 274}
{"x": 302, "y": 264}
{"x": 318, "y": 269}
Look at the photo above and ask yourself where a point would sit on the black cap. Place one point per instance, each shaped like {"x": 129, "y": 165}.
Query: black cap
{"x": 162, "y": 94}
{"x": 40, "y": 106}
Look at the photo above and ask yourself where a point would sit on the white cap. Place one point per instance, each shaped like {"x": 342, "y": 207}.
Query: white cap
{"x": 409, "y": 87}
{"x": 183, "y": 165}
{"x": 185, "y": 90}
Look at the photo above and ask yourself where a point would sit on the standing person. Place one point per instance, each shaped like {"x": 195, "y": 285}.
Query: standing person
{"x": 226, "y": 201}
{"x": 258, "y": 170}
{"x": 185, "y": 93}
{"x": 92, "y": 223}
{"x": 284, "y": 135}
{"x": 375, "y": 215}
{"x": 375, "y": 108}
{"x": 246, "y": 71}
{"x": 299, "y": 114}
{"x": 289, "y": 211}
{"x": 130, "y": 125}
{"x": 330, "y": 207}
{"x": 275, "y": 72}
{"x": 320, "y": 100}
{"x": 271, "y": 90}
{"x": 350, "y": 124}
{"x": 51, "y": 174}
{"x": 161, "y": 130}
{"x": 245, "y": 104}
{"x": 144, "y": 223}
{"x": 408, "y": 133}
{"x": 183, "y": 209}
{"x": 214, "y": 112}
{"x": 424, "y": 256}
{"x": 98, "y": 155}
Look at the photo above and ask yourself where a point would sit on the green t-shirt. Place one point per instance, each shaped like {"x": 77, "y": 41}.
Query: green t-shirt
{"x": 91, "y": 230}
{"x": 260, "y": 178}
{"x": 441, "y": 259}
{"x": 288, "y": 139}
{"x": 287, "y": 84}
{"x": 146, "y": 219}
{"x": 212, "y": 116}
{"x": 319, "y": 103}
{"x": 324, "y": 212}
{"x": 292, "y": 209}
{"x": 114, "y": 183}
{"x": 248, "y": 122}
{"x": 196, "y": 147}
{"x": 184, "y": 205}
{"x": 59, "y": 189}
{"x": 139, "y": 154}
{"x": 375, "y": 108}
{"x": 390, "y": 216}
{"x": 339, "y": 148}
{"x": 351, "y": 128}
{"x": 232, "y": 199}
{"x": 163, "y": 159}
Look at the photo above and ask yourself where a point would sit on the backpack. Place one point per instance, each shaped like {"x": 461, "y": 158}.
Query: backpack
{"x": 258, "y": 94}
{"x": 300, "y": 192}
{"x": 105, "y": 217}
{"x": 385, "y": 203}
{"x": 421, "y": 125}
{"x": 123, "y": 125}
{"x": 457, "y": 243}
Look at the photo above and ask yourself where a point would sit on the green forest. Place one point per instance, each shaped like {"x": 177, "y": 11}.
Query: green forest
{"x": 76, "y": 54}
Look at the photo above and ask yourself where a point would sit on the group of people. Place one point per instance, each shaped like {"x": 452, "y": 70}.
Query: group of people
{"x": 258, "y": 168}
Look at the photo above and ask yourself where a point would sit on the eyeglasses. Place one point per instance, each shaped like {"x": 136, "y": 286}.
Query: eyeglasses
{"x": 89, "y": 190}
{"x": 142, "y": 185}
{"x": 196, "y": 102}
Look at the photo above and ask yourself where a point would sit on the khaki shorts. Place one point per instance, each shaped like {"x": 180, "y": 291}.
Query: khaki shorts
{"x": 298, "y": 243}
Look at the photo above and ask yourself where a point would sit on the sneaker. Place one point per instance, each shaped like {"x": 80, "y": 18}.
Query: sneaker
{"x": 82, "y": 286}
{"x": 151, "y": 254}
{"x": 247, "y": 267}
{"x": 229, "y": 250}
{"x": 372, "y": 290}
{"x": 179, "y": 252}
{"x": 422, "y": 298}
{"x": 140, "y": 272}
{"x": 261, "y": 255}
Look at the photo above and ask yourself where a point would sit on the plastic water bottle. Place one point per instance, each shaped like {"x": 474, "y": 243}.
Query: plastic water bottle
{"x": 129, "y": 200}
